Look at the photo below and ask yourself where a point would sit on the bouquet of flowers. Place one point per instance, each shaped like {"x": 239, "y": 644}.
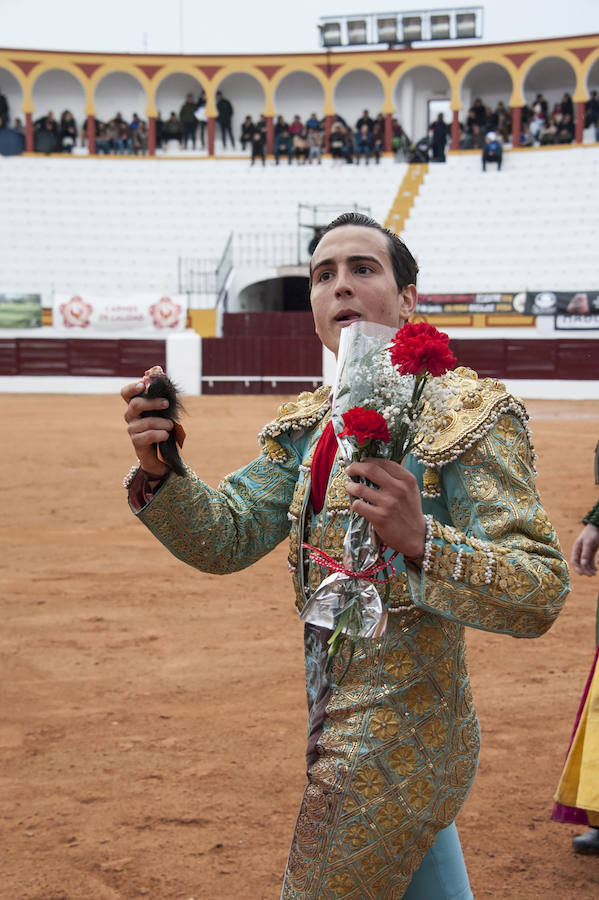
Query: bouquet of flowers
{"x": 387, "y": 396}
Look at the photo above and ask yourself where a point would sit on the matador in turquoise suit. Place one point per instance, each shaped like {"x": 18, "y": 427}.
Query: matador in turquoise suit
{"x": 393, "y": 745}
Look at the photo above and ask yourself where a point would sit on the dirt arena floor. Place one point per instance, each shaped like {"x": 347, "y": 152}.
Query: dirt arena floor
{"x": 153, "y": 718}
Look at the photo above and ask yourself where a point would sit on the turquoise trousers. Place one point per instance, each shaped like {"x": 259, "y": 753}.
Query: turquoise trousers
{"x": 442, "y": 873}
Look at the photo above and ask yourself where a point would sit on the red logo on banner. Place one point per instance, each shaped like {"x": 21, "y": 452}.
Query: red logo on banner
{"x": 76, "y": 313}
{"x": 166, "y": 313}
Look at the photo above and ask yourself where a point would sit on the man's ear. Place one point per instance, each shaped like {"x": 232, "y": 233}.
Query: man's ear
{"x": 408, "y": 298}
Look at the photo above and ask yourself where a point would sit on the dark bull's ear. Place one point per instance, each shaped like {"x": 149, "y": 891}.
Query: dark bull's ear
{"x": 597, "y": 464}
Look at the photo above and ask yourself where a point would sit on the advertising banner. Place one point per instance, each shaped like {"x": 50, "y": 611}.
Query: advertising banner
{"x": 572, "y": 309}
{"x": 147, "y": 313}
{"x": 467, "y": 303}
{"x": 20, "y": 310}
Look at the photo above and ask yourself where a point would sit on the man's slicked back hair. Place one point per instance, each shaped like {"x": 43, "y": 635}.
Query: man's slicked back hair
{"x": 405, "y": 267}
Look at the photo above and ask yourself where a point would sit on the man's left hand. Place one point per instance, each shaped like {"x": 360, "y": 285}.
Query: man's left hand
{"x": 393, "y": 506}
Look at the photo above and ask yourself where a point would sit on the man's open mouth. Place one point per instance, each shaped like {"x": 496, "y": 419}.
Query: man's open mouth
{"x": 347, "y": 315}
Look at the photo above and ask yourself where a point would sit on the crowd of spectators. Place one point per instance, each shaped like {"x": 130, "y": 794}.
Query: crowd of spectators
{"x": 538, "y": 124}
{"x": 305, "y": 142}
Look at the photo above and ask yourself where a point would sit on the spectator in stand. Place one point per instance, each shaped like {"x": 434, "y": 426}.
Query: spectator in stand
{"x": 491, "y": 120}
{"x": 283, "y": 144}
{"x": 340, "y": 143}
{"x": 19, "y": 127}
{"x": 526, "y": 138}
{"x": 504, "y": 121}
{"x": 159, "y": 130}
{"x": 378, "y": 137}
{"x": 262, "y": 125}
{"x": 296, "y": 126}
{"x": 103, "y": 144}
{"x": 47, "y": 134}
{"x": 364, "y": 120}
{"x": 201, "y": 117}
{"x": 189, "y": 123}
{"x": 140, "y": 139}
{"x": 258, "y": 139}
{"x": 363, "y": 143}
{"x": 300, "y": 146}
{"x": 548, "y": 134}
{"x": 68, "y": 131}
{"x": 172, "y": 129}
{"x": 399, "y": 139}
{"x": 315, "y": 142}
{"x": 112, "y": 134}
{"x": 4, "y": 111}
{"x": 246, "y": 133}
{"x": 536, "y": 123}
{"x": 440, "y": 133}
{"x": 126, "y": 138}
{"x": 492, "y": 151}
{"x": 313, "y": 123}
{"x": 565, "y": 134}
{"x": 224, "y": 110}
{"x": 478, "y": 113}
{"x": 135, "y": 124}
{"x": 540, "y": 106}
{"x": 591, "y": 113}
{"x": 567, "y": 106}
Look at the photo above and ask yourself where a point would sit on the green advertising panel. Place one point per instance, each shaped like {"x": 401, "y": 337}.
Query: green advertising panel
{"x": 20, "y": 311}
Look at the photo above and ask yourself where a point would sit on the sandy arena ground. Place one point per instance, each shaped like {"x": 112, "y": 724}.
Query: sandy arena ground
{"x": 153, "y": 718}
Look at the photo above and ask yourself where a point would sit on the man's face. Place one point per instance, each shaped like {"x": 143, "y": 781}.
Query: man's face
{"x": 352, "y": 280}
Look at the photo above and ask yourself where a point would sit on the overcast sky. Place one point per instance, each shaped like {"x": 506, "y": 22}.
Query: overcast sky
{"x": 248, "y": 26}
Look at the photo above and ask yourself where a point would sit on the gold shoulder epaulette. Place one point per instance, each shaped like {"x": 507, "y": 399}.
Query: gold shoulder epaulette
{"x": 476, "y": 406}
{"x": 305, "y": 412}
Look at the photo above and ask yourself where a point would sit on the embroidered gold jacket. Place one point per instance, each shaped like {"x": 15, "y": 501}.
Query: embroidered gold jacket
{"x": 399, "y": 746}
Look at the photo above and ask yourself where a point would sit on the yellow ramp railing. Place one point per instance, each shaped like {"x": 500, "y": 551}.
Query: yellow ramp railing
{"x": 405, "y": 197}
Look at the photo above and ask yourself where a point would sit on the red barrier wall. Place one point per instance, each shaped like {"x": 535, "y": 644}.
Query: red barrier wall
{"x": 72, "y": 356}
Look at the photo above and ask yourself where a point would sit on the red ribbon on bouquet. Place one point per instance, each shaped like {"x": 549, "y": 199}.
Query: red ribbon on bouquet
{"x": 323, "y": 559}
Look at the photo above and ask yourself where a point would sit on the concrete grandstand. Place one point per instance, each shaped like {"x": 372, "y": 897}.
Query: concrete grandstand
{"x": 226, "y": 239}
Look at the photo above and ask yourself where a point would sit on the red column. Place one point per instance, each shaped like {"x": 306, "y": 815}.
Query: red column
{"x": 28, "y": 132}
{"x": 270, "y": 135}
{"x": 388, "y": 139}
{"x": 516, "y": 125}
{"x": 91, "y": 134}
{"x": 211, "y": 124}
{"x": 151, "y": 136}
{"x": 328, "y": 121}
{"x": 455, "y": 131}
{"x": 579, "y": 123}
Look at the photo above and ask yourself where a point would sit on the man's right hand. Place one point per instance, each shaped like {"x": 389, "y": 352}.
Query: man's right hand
{"x": 148, "y": 431}
{"x": 585, "y": 550}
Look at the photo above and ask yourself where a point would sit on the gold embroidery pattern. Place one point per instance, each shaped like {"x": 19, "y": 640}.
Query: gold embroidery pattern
{"x": 509, "y": 576}
{"x": 296, "y": 415}
{"x": 476, "y": 409}
{"x": 396, "y": 758}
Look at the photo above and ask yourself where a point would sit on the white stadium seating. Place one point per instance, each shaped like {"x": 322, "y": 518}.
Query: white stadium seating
{"x": 532, "y": 226}
{"x": 106, "y": 226}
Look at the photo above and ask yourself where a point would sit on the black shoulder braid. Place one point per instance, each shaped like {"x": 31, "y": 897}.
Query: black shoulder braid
{"x": 592, "y": 517}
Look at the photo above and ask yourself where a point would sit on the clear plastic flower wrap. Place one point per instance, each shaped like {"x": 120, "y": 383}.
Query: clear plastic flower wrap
{"x": 376, "y": 411}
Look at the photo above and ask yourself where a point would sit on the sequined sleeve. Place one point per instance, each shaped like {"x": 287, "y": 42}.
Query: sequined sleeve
{"x": 226, "y": 529}
{"x": 497, "y": 564}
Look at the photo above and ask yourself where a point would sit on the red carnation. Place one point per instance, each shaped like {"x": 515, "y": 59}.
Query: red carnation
{"x": 365, "y": 425}
{"x": 419, "y": 348}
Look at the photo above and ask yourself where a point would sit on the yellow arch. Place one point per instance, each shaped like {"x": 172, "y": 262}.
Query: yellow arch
{"x": 107, "y": 69}
{"x": 165, "y": 72}
{"x": 585, "y": 69}
{"x": 506, "y": 64}
{"x": 427, "y": 63}
{"x": 539, "y": 56}
{"x": 293, "y": 69}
